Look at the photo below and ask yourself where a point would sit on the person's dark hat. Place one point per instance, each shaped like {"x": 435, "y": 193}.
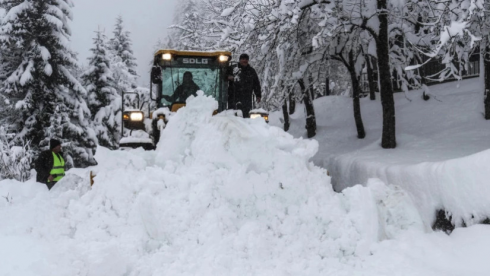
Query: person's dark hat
{"x": 53, "y": 143}
{"x": 244, "y": 56}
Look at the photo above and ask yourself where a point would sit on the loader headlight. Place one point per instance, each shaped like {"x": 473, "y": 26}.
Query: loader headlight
{"x": 136, "y": 116}
{"x": 223, "y": 58}
{"x": 167, "y": 56}
{"x": 260, "y": 115}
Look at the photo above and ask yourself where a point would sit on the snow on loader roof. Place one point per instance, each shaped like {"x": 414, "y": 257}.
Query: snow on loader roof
{"x": 211, "y": 53}
{"x": 221, "y": 195}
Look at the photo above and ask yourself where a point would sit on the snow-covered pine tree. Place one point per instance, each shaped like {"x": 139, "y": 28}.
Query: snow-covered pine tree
{"x": 15, "y": 161}
{"x": 44, "y": 98}
{"x": 103, "y": 99}
{"x": 122, "y": 60}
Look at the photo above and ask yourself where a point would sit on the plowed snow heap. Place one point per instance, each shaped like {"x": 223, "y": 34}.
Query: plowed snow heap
{"x": 221, "y": 196}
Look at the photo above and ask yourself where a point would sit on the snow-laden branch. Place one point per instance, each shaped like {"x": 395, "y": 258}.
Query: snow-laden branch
{"x": 304, "y": 4}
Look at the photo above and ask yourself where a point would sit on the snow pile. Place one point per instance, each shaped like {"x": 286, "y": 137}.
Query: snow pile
{"x": 137, "y": 136}
{"x": 222, "y": 195}
{"x": 259, "y": 110}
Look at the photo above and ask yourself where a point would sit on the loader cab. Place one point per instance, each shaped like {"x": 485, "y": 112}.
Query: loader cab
{"x": 171, "y": 70}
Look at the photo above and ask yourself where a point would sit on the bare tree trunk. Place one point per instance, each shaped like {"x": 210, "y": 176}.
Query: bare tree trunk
{"x": 292, "y": 102}
{"x": 388, "y": 139}
{"x": 486, "y": 65}
{"x": 356, "y": 90}
{"x": 285, "y": 114}
{"x": 327, "y": 86}
{"x": 357, "y": 113}
{"x": 370, "y": 77}
{"x": 310, "y": 111}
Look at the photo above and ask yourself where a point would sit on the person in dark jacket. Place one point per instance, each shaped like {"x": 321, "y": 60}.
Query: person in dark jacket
{"x": 50, "y": 165}
{"x": 243, "y": 82}
{"x": 185, "y": 90}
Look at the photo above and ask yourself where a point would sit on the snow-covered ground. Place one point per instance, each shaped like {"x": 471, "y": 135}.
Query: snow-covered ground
{"x": 442, "y": 156}
{"x": 223, "y": 196}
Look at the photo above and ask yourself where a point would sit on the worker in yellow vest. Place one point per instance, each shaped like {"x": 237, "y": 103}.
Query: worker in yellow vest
{"x": 50, "y": 165}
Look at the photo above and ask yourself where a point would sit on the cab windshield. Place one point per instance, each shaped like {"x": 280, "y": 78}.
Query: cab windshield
{"x": 180, "y": 83}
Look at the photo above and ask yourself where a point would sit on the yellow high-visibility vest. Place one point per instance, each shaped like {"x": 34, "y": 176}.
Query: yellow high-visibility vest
{"x": 58, "y": 170}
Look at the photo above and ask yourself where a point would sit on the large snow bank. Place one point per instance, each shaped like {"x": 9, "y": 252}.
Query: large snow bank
{"x": 441, "y": 158}
{"x": 459, "y": 186}
{"x": 221, "y": 195}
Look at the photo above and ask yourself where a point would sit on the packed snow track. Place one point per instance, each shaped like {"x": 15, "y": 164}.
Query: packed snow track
{"x": 223, "y": 195}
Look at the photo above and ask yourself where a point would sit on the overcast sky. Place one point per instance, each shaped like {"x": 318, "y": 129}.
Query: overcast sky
{"x": 147, "y": 20}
